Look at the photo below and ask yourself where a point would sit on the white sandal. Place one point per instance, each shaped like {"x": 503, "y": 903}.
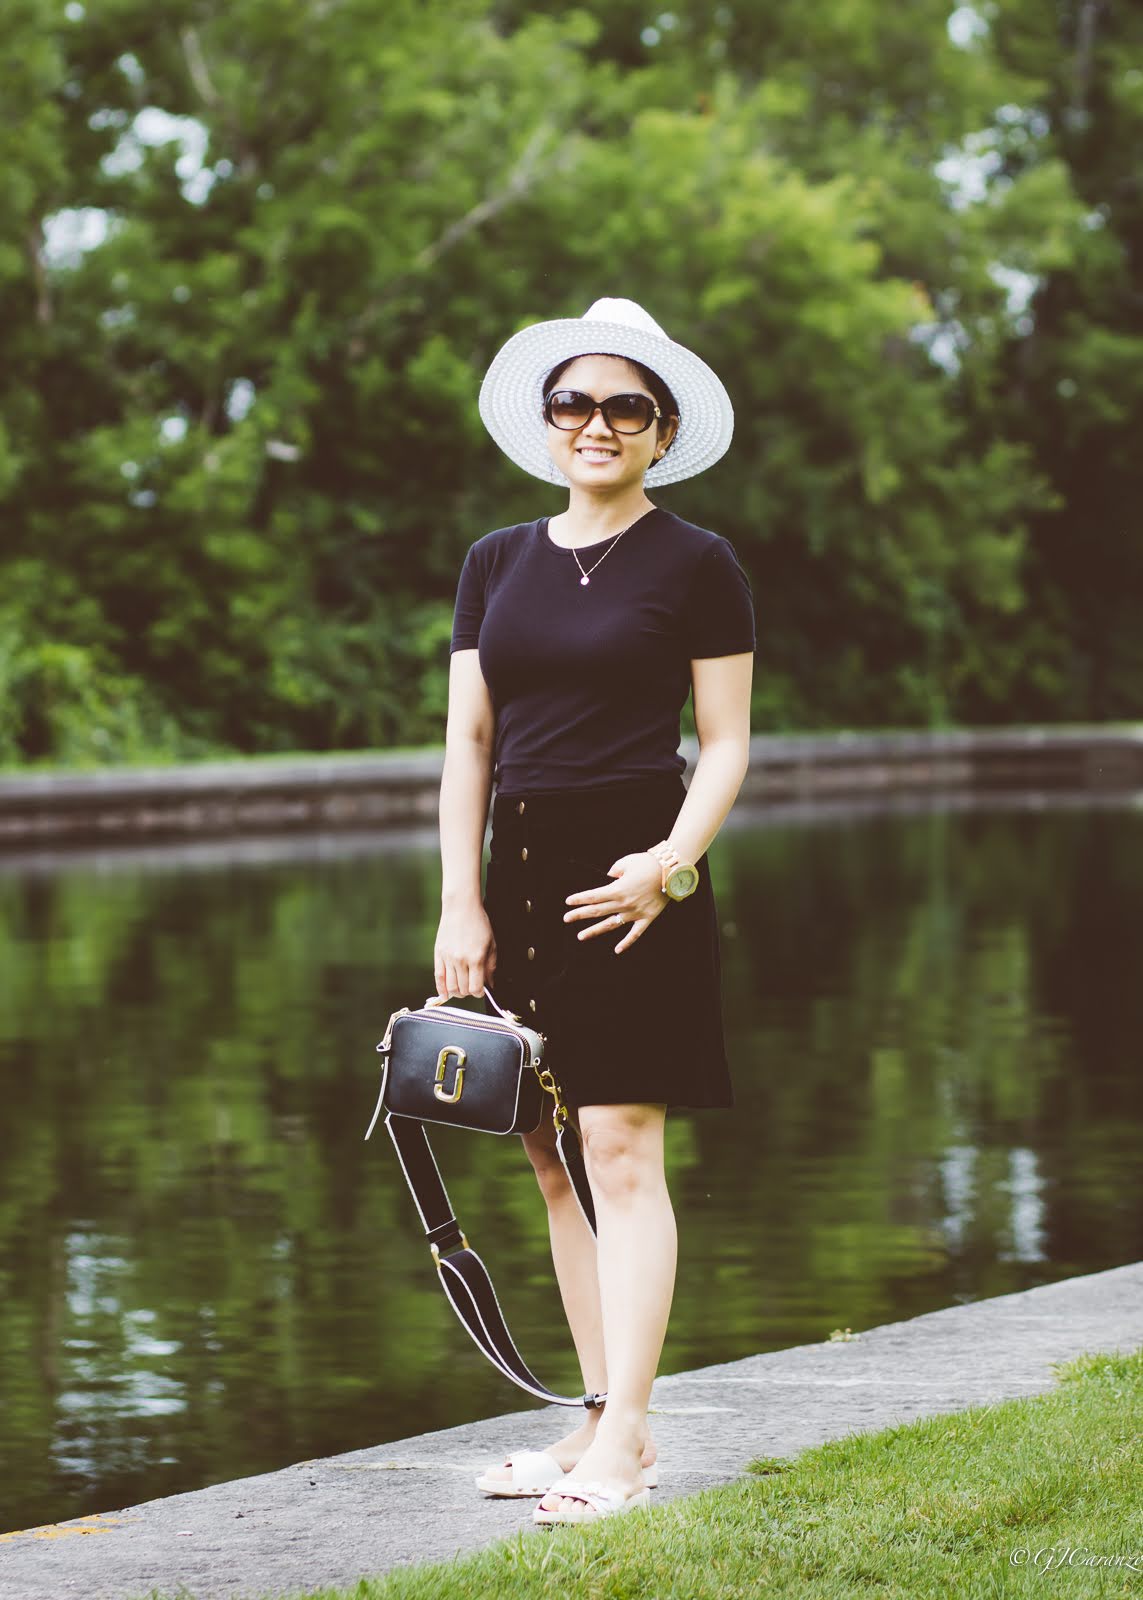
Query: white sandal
{"x": 533, "y": 1473}
{"x": 599, "y": 1501}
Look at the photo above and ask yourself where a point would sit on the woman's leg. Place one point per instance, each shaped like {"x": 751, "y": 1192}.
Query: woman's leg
{"x": 637, "y": 1246}
{"x": 574, "y": 1258}
{"x": 573, "y": 1255}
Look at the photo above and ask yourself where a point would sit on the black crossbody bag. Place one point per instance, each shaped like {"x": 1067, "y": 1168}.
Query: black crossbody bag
{"x": 441, "y": 1063}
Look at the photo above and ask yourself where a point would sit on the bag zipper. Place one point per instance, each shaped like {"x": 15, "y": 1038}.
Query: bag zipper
{"x": 472, "y": 1022}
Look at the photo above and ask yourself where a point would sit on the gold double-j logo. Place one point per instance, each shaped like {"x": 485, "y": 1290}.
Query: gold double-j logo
{"x": 442, "y": 1068}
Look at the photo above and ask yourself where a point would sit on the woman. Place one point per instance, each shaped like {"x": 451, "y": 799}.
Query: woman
{"x": 576, "y": 639}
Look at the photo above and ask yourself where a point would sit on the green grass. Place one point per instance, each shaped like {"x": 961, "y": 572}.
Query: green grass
{"x": 931, "y": 1508}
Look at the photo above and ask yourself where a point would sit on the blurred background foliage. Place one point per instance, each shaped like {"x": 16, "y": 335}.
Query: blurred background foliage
{"x": 255, "y": 258}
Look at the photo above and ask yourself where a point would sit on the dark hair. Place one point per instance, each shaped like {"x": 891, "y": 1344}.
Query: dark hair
{"x": 664, "y": 399}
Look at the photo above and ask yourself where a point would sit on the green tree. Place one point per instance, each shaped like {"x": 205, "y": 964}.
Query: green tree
{"x": 1069, "y": 381}
{"x": 240, "y": 458}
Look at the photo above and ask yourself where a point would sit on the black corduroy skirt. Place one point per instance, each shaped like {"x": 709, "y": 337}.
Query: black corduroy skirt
{"x": 642, "y": 1027}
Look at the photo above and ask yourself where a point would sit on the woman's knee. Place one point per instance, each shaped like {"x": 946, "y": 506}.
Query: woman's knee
{"x": 549, "y": 1169}
{"x": 623, "y": 1149}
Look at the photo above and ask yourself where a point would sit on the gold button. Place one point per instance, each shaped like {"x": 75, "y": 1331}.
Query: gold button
{"x": 524, "y": 853}
{"x": 532, "y": 1004}
{"x": 527, "y": 905}
{"x": 520, "y": 808}
{"x": 531, "y": 953}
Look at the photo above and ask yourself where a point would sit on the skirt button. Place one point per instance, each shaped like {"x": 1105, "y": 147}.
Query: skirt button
{"x": 531, "y": 953}
{"x": 532, "y": 1005}
{"x": 527, "y": 905}
{"x": 520, "y": 808}
{"x": 524, "y": 853}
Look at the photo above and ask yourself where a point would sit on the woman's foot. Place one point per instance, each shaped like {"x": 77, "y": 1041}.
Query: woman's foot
{"x": 572, "y": 1448}
{"x": 612, "y": 1459}
{"x": 590, "y": 1501}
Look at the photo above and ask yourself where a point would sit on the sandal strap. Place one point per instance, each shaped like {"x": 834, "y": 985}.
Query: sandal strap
{"x": 533, "y": 1469}
{"x": 597, "y": 1495}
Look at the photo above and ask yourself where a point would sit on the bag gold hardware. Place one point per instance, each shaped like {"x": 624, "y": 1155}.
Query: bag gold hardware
{"x": 442, "y": 1065}
{"x": 403, "y": 1011}
{"x": 548, "y": 1082}
{"x": 464, "y": 1244}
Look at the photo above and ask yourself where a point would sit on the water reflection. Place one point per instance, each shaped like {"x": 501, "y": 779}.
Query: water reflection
{"x": 934, "y": 1024}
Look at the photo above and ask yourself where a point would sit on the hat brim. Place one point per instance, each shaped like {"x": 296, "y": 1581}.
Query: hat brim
{"x": 512, "y": 394}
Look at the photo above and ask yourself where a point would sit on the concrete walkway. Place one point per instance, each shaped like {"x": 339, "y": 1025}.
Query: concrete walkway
{"x": 334, "y": 1521}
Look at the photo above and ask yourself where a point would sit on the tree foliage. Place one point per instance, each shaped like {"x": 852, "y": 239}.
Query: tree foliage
{"x": 240, "y": 458}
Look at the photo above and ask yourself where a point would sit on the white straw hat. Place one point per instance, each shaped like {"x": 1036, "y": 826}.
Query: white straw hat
{"x": 512, "y": 394}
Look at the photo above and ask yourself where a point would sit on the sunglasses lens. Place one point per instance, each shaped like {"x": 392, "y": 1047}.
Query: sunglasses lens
{"x": 568, "y": 409}
{"x": 626, "y": 413}
{"x": 630, "y": 413}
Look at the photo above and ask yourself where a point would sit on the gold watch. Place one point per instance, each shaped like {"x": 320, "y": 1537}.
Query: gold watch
{"x": 679, "y": 878}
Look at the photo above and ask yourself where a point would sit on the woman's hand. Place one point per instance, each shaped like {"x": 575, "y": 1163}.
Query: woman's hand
{"x": 636, "y": 897}
{"x": 464, "y": 957}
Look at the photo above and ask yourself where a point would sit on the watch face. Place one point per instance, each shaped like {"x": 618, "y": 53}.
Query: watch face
{"x": 682, "y": 881}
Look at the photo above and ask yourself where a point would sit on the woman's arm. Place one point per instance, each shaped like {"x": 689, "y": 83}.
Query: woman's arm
{"x": 721, "y": 693}
{"x": 721, "y": 687}
{"x": 465, "y": 954}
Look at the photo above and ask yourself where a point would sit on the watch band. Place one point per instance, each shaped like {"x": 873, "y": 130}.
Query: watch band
{"x": 666, "y": 857}
{"x": 669, "y": 861}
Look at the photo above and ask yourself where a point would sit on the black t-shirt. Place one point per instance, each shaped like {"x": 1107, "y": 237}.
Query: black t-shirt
{"x": 588, "y": 682}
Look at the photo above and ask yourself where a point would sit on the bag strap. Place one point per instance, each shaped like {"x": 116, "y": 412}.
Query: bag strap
{"x": 463, "y": 1275}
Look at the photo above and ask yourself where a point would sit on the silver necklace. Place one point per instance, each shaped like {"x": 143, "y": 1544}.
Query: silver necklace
{"x": 586, "y": 578}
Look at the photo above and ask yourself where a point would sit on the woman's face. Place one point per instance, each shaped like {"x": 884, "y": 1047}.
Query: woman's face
{"x": 595, "y": 455}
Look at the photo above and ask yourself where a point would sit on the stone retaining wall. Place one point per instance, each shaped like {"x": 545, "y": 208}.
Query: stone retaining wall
{"x": 371, "y": 790}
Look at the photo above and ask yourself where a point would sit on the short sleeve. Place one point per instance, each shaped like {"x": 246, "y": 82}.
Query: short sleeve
{"x": 469, "y": 612}
{"x": 718, "y": 617}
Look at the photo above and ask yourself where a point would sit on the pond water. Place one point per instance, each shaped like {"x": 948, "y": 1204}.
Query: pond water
{"x": 935, "y": 1024}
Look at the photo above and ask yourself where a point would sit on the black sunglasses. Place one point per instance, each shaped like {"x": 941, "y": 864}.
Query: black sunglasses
{"x": 624, "y": 413}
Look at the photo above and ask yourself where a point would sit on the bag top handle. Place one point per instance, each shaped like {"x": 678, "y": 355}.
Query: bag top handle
{"x": 443, "y": 1000}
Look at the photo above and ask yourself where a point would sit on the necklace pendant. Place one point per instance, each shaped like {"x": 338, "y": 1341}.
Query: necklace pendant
{"x": 584, "y": 581}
